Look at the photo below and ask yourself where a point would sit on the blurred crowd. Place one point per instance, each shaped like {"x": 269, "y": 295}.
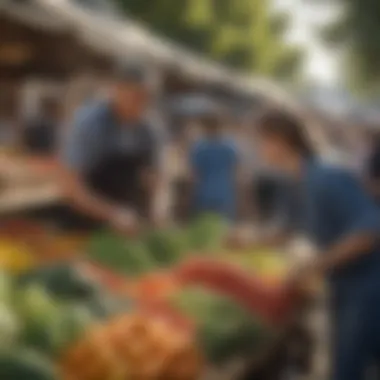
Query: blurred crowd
{"x": 185, "y": 126}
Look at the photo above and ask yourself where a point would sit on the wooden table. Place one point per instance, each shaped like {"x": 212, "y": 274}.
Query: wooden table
{"x": 27, "y": 183}
{"x": 26, "y": 198}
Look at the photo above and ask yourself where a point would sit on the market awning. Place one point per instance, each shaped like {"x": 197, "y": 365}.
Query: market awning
{"x": 118, "y": 36}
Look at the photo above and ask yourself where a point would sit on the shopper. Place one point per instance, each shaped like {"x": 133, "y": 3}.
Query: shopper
{"x": 214, "y": 166}
{"x": 111, "y": 162}
{"x": 338, "y": 215}
{"x": 8, "y": 122}
{"x": 40, "y": 134}
{"x": 372, "y": 170}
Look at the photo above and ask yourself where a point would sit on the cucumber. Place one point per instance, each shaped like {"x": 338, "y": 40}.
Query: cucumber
{"x": 25, "y": 364}
{"x": 63, "y": 280}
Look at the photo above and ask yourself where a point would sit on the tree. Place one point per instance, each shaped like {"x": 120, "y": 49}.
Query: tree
{"x": 243, "y": 34}
{"x": 358, "y": 32}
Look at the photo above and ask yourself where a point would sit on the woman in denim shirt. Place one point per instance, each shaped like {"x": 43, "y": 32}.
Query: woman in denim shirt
{"x": 330, "y": 206}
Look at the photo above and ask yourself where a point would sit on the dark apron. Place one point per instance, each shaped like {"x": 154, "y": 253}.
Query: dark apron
{"x": 118, "y": 178}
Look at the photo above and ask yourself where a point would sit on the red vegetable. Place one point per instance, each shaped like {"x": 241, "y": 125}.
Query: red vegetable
{"x": 163, "y": 310}
{"x": 271, "y": 303}
{"x": 156, "y": 286}
{"x": 110, "y": 280}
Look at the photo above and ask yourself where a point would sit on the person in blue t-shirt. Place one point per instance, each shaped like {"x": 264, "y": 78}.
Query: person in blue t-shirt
{"x": 214, "y": 162}
{"x": 329, "y": 205}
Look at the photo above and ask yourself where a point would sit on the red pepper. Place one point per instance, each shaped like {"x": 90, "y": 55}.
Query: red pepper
{"x": 156, "y": 286}
{"x": 163, "y": 310}
{"x": 272, "y": 303}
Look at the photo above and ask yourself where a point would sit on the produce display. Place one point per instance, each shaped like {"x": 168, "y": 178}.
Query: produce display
{"x": 164, "y": 306}
{"x": 157, "y": 249}
{"x": 67, "y": 333}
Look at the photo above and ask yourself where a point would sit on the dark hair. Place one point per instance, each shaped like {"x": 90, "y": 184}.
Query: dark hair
{"x": 287, "y": 127}
{"x": 50, "y": 105}
{"x": 212, "y": 123}
{"x": 132, "y": 72}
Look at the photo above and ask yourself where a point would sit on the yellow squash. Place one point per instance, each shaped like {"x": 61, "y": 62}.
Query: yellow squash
{"x": 15, "y": 257}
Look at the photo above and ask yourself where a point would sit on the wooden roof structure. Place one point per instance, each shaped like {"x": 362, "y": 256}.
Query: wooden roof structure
{"x": 117, "y": 36}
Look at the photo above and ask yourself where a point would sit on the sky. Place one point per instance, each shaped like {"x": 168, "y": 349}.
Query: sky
{"x": 307, "y": 16}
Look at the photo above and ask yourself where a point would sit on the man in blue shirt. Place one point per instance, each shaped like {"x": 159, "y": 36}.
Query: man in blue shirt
{"x": 214, "y": 163}
{"x": 111, "y": 160}
{"x": 330, "y": 206}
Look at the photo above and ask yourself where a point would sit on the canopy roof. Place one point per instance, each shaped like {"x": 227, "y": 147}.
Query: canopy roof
{"x": 101, "y": 27}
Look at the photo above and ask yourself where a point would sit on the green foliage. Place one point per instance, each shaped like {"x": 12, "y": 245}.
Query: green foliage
{"x": 358, "y": 31}
{"x": 243, "y": 34}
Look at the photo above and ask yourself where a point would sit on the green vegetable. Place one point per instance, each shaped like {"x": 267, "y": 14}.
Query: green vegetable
{"x": 64, "y": 281}
{"x": 104, "y": 306}
{"x": 9, "y": 322}
{"x": 39, "y": 316}
{"x": 116, "y": 253}
{"x": 72, "y": 323}
{"x": 225, "y": 329}
{"x": 25, "y": 364}
{"x": 166, "y": 246}
{"x": 206, "y": 232}
{"x": 9, "y": 326}
{"x": 6, "y": 288}
{"x": 47, "y": 324}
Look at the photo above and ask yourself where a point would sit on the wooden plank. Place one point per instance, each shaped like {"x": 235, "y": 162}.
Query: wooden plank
{"x": 14, "y": 200}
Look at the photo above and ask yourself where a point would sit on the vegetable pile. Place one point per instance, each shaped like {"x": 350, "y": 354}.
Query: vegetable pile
{"x": 157, "y": 307}
{"x": 224, "y": 328}
{"x": 57, "y": 324}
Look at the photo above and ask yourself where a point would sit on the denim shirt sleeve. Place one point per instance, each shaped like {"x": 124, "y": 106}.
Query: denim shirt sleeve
{"x": 194, "y": 157}
{"x": 235, "y": 154}
{"x": 82, "y": 146}
{"x": 348, "y": 204}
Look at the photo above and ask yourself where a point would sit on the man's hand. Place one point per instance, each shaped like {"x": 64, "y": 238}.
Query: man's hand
{"x": 305, "y": 276}
{"x": 237, "y": 240}
{"x": 125, "y": 222}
